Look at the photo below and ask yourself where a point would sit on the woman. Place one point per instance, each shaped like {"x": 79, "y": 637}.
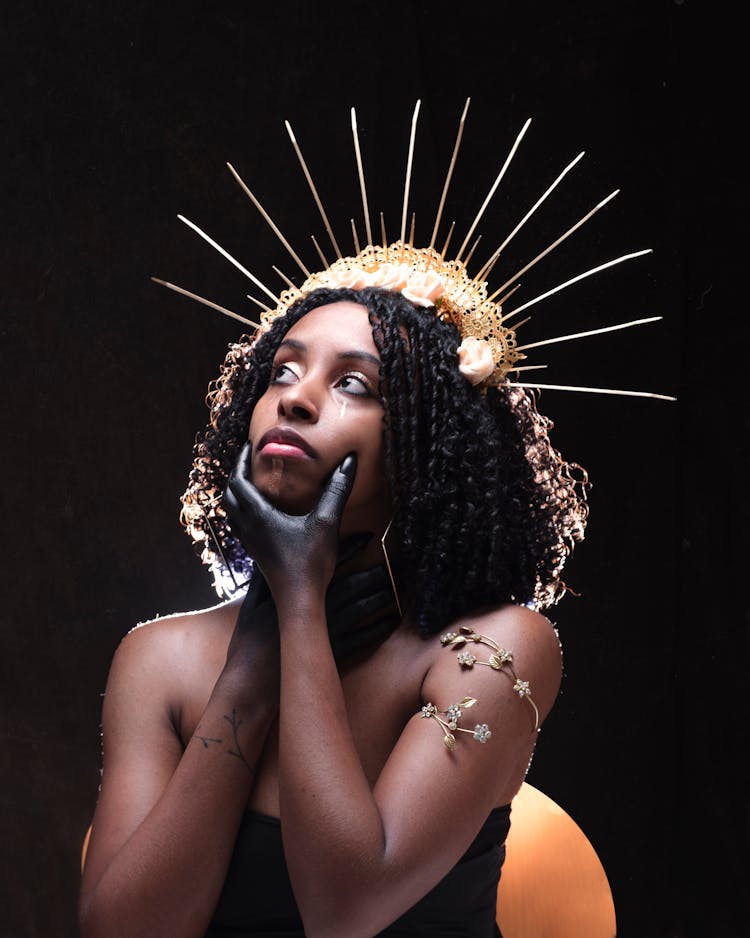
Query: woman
{"x": 331, "y": 696}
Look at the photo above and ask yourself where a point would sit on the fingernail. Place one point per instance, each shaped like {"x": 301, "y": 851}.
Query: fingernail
{"x": 349, "y": 465}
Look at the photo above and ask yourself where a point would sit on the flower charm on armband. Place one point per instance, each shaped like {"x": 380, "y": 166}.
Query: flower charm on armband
{"x": 448, "y": 720}
{"x": 500, "y": 659}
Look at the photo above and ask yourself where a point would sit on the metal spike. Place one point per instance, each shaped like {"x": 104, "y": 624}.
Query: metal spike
{"x": 326, "y": 265}
{"x": 561, "y": 286}
{"x": 570, "y": 387}
{"x": 363, "y": 189}
{"x": 284, "y": 277}
{"x": 409, "y": 160}
{"x": 554, "y": 244}
{"x": 229, "y": 257}
{"x": 314, "y": 191}
{"x": 581, "y": 335}
{"x": 448, "y": 240}
{"x": 205, "y": 302}
{"x": 268, "y": 218}
{"x": 496, "y": 183}
{"x": 356, "y": 239}
{"x": 533, "y": 209}
{"x": 449, "y": 173}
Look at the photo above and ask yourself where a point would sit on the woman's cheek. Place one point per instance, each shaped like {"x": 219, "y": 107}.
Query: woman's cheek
{"x": 370, "y": 482}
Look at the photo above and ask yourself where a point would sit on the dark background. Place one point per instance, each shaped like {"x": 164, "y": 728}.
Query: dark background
{"x": 115, "y": 117}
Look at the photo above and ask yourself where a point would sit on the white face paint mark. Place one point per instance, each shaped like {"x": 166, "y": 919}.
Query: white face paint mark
{"x": 342, "y": 412}
{"x": 277, "y": 473}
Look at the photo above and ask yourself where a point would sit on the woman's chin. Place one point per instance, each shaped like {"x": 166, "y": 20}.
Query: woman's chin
{"x": 290, "y": 502}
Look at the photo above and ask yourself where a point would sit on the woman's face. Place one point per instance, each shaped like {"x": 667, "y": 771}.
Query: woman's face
{"x": 323, "y": 402}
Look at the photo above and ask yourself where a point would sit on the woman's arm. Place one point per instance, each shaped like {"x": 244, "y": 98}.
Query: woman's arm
{"x": 166, "y": 819}
{"x": 360, "y": 857}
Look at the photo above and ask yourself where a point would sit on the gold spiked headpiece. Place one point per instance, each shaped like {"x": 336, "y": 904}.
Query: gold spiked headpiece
{"x": 489, "y": 352}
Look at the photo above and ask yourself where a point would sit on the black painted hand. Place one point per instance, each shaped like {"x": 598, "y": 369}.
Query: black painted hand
{"x": 361, "y": 609}
{"x": 252, "y": 661}
{"x": 294, "y": 552}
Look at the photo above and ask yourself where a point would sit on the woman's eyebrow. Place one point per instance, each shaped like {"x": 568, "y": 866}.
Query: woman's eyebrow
{"x": 354, "y": 353}
{"x": 293, "y": 343}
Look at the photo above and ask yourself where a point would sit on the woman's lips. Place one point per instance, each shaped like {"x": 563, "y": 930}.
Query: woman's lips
{"x": 281, "y": 442}
{"x": 285, "y": 450}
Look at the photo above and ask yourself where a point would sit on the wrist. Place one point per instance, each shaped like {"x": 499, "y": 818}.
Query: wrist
{"x": 305, "y": 608}
{"x": 254, "y": 695}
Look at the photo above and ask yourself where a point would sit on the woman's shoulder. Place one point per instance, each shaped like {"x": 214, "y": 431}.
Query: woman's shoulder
{"x": 163, "y": 670}
{"x": 517, "y": 625}
{"x": 167, "y": 650}
{"x": 511, "y": 625}
{"x": 178, "y": 628}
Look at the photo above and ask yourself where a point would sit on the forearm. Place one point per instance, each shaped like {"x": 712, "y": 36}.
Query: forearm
{"x": 166, "y": 878}
{"x": 334, "y": 838}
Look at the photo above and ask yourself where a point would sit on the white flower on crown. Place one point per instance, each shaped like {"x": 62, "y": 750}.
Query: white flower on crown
{"x": 475, "y": 361}
{"x": 424, "y": 287}
{"x": 421, "y": 287}
{"x": 352, "y": 278}
{"x": 391, "y": 277}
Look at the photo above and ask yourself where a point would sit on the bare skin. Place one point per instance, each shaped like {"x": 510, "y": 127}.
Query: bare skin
{"x": 203, "y": 719}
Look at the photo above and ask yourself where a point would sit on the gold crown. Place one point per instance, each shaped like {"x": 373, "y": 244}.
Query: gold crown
{"x": 489, "y": 351}
{"x": 426, "y": 279}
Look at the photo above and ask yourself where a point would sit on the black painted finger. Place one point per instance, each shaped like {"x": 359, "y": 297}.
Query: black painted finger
{"x": 231, "y": 505}
{"x": 336, "y": 492}
{"x": 349, "y": 547}
{"x": 243, "y": 461}
{"x": 257, "y": 595}
{"x": 253, "y": 504}
{"x": 366, "y": 609}
{"x": 257, "y": 590}
{"x": 357, "y": 585}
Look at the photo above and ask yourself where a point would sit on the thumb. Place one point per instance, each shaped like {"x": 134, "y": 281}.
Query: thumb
{"x": 336, "y": 492}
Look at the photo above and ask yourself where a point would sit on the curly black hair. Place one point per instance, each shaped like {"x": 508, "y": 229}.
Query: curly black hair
{"x": 485, "y": 511}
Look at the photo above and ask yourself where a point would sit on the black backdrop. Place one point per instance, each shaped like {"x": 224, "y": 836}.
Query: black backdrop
{"x": 118, "y": 116}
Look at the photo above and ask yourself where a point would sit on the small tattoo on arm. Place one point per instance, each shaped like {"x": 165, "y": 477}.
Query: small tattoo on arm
{"x": 208, "y": 739}
{"x": 235, "y": 722}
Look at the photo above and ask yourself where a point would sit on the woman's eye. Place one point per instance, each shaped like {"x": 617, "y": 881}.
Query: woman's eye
{"x": 283, "y": 374}
{"x": 354, "y": 384}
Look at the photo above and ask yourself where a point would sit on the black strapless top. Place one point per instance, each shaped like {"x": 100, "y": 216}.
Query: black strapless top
{"x": 257, "y": 900}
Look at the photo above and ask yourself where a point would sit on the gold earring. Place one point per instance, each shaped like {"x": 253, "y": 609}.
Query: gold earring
{"x": 388, "y": 565}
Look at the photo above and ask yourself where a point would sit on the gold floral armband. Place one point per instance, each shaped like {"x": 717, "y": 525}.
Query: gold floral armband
{"x": 500, "y": 659}
{"x": 448, "y": 720}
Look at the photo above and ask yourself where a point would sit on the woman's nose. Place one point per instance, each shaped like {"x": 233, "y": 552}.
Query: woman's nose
{"x": 300, "y": 400}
